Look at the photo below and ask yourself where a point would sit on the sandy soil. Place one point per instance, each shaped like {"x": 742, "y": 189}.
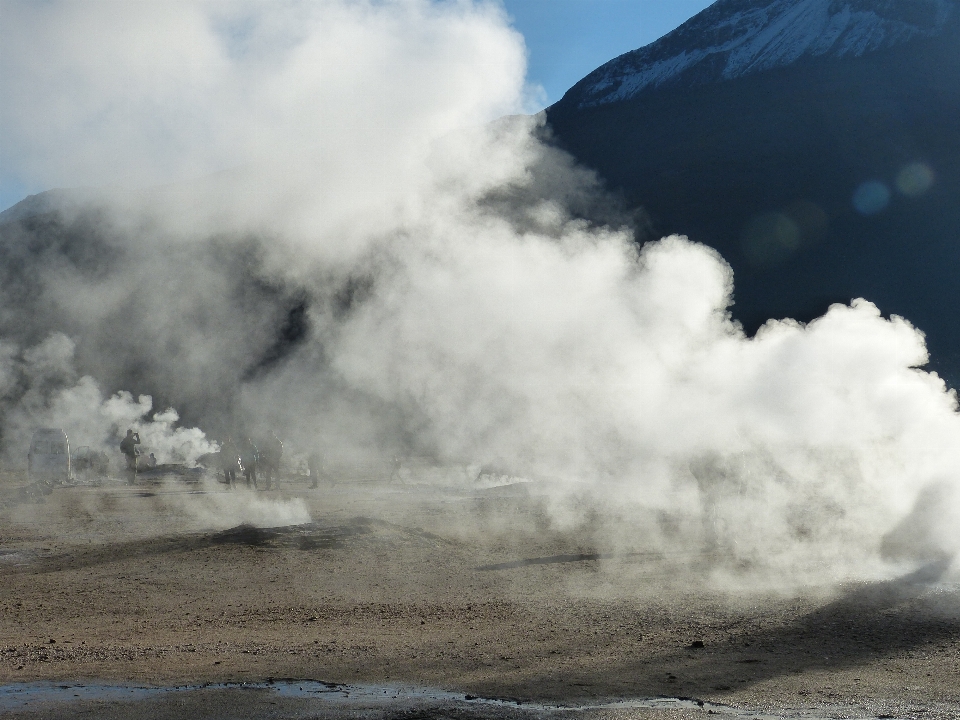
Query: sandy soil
{"x": 162, "y": 584}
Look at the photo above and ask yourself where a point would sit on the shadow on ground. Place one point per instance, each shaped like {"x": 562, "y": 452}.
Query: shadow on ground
{"x": 307, "y": 536}
{"x": 867, "y": 624}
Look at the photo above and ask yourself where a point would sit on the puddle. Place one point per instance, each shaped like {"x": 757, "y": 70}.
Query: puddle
{"x": 21, "y": 695}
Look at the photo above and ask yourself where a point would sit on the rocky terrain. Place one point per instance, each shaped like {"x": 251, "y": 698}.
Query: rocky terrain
{"x": 400, "y": 588}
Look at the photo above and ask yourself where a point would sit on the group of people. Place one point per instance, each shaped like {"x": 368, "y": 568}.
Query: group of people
{"x": 247, "y": 458}
{"x": 250, "y": 459}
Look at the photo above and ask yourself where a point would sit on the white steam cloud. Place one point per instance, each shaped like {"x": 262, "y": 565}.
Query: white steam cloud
{"x": 463, "y": 290}
{"x": 55, "y": 397}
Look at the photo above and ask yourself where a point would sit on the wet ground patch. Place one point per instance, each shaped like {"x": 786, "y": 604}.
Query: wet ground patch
{"x": 375, "y": 701}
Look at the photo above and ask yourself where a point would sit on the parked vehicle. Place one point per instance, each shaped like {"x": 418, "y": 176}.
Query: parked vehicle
{"x": 86, "y": 461}
{"x": 48, "y": 459}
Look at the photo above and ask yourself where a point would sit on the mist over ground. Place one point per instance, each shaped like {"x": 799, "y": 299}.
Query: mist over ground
{"x": 333, "y": 220}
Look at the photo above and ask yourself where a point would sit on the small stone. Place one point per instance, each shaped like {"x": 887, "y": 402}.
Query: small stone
{"x": 696, "y": 644}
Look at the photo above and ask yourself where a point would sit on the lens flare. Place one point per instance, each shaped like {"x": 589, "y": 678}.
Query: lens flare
{"x": 871, "y": 197}
{"x": 770, "y": 238}
{"x": 810, "y": 218}
{"x": 915, "y": 179}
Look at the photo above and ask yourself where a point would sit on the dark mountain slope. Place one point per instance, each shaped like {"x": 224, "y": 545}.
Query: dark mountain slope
{"x": 187, "y": 322}
{"x": 765, "y": 168}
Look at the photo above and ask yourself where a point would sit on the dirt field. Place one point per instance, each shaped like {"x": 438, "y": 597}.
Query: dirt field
{"x": 167, "y": 583}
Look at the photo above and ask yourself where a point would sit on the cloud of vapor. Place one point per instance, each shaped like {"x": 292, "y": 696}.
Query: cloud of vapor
{"x": 328, "y": 104}
{"x": 53, "y": 396}
{"x": 381, "y": 267}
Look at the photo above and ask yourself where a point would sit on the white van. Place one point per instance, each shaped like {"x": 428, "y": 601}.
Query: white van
{"x": 49, "y": 456}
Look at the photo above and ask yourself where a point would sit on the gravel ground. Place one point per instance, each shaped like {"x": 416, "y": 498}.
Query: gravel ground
{"x": 398, "y": 586}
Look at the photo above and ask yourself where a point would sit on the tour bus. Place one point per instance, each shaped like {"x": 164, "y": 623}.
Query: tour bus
{"x": 49, "y": 456}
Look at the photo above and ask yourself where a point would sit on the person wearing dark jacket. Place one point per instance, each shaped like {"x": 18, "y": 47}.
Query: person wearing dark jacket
{"x": 128, "y": 446}
{"x": 229, "y": 460}
{"x": 249, "y": 457}
{"x": 271, "y": 451}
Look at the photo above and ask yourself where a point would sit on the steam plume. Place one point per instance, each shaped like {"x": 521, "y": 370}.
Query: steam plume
{"x": 380, "y": 268}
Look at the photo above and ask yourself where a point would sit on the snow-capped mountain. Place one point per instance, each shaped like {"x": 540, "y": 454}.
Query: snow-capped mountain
{"x": 732, "y": 38}
{"x": 763, "y": 127}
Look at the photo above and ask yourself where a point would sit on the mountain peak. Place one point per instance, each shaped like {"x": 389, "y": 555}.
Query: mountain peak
{"x": 732, "y": 38}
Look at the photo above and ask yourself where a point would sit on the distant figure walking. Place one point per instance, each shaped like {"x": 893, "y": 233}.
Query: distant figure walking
{"x": 229, "y": 460}
{"x": 248, "y": 460}
{"x": 271, "y": 452}
{"x": 128, "y": 446}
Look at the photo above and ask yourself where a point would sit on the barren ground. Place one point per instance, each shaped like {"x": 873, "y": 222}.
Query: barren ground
{"x": 391, "y": 585}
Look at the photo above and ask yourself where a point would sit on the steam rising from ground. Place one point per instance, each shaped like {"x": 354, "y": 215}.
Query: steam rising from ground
{"x": 226, "y": 510}
{"x": 463, "y": 290}
{"x": 55, "y": 397}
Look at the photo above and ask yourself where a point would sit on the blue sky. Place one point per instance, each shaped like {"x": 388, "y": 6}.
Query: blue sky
{"x": 566, "y": 39}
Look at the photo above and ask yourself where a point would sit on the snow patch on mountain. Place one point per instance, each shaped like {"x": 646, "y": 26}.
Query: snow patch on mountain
{"x": 732, "y": 38}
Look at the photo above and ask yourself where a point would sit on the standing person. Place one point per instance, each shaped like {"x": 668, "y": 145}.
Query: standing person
{"x": 229, "y": 460}
{"x": 314, "y": 463}
{"x": 248, "y": 459}
{"x": 271, "y": 451}
{"x": 128, "y": 446}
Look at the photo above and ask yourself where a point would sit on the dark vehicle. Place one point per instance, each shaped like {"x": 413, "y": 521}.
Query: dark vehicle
{"x": 48, "y": 459}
